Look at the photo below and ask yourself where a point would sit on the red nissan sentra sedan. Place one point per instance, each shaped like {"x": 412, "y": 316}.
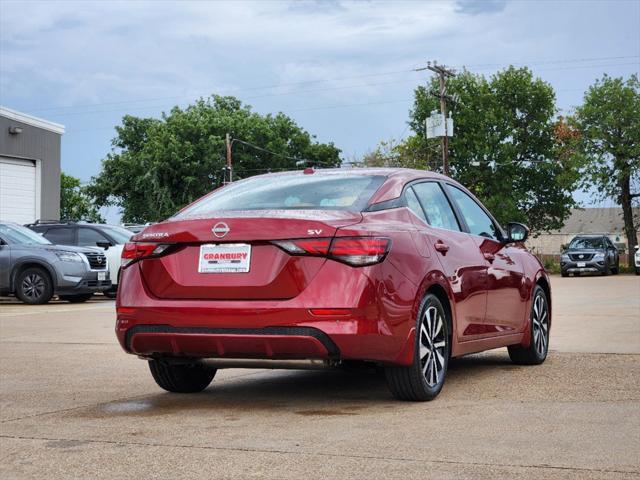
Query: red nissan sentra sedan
{"x": 402, "y": 268}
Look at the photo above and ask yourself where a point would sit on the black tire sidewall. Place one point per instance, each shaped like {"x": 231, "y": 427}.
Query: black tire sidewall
{"x": 48, "y": 287}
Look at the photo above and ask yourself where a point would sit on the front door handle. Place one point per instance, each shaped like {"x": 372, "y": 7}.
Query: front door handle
{"x": 490, "y": 257}
{"x": 441, "y": 247}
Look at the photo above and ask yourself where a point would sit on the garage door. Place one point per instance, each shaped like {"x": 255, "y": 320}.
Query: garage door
{"x": 18, "y": 190}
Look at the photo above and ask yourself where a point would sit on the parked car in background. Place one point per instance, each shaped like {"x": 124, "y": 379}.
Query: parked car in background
{"x": 401, "y": 268}
{"x": 109, "y": 238}
{"x": 590, "y": 254}
{"x": 636, "y": 259}
{"x": 34, "y": 270}
{"x": 136, "y": 227}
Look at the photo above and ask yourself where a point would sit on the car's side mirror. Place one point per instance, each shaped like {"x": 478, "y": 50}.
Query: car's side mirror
{"x": 104, "y": 245}
{"x": 517, "y": 232}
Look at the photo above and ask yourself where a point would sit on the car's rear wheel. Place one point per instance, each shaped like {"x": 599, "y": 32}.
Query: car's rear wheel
{"x": 536, "y": 352}
{"x": 76, "y": 298}
{"x": 34, "y": 286}
{"x": 424, "y": 379}
{"x": 181, "y": 378}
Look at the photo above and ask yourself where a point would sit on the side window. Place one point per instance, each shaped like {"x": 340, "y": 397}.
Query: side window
{"x": 60, "y": 236}
{"x": 87, "y": 237}
{"x": 436, "y": 206}
{"x": 478, "y": 221}
{"x": 414, "y": 204}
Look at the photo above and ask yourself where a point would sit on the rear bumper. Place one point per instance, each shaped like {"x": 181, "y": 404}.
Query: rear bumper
{"x": 366, "y": 328}
{"x": 267, "y": 343}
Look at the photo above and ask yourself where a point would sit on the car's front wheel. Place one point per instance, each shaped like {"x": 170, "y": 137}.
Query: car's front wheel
{"x": 181, "y": 377}
{"x": 536, "y": 352}
{"x": 34, "y": 286}
{"x": 424, "y": 379}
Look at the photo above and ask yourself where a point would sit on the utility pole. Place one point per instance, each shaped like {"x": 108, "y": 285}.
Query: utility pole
{"x": 229, "y": 165}
{"x": 443, "y": 73}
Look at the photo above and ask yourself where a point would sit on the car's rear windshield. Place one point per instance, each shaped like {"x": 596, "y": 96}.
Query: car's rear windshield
{"x": 290, "y": 192}
{"x": 587, "y": 242}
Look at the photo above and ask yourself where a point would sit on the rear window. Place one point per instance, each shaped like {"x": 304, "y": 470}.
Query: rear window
{"x": 295, "y": 192}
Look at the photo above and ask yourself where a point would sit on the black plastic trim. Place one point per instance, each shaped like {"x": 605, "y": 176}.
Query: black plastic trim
{"x": 319, "y": 335}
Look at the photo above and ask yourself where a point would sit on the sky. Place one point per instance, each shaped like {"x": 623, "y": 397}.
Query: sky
{"x": 342, "y": 70}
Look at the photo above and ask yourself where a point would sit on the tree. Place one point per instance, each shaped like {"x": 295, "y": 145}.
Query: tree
{"x": 157, "y": 166}
{"x": 75, "y": 203}
{"x": 609, "y": 126}
{"x": 504, "y": 148}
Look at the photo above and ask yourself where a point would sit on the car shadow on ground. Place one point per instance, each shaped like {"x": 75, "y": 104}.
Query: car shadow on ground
{"x": 329, "y": 393}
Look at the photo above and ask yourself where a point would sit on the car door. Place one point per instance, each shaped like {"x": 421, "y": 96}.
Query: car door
{"x": 457, "y": 253}
{"x": 506, "y": 286}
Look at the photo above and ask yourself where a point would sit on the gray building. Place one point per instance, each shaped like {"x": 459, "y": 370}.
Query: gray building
{"x": 29, "y": 167}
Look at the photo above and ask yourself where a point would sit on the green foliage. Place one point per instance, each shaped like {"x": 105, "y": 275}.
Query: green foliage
{"x": 609, "y": 125}
{"x": 75, "y": 203}
{"x": 157, "y": 166}
{"x": 504, "y": 147}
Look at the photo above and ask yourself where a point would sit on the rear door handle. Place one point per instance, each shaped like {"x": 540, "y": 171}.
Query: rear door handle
{"x": 441, "y": 247}
{"x": 490, "y": 257}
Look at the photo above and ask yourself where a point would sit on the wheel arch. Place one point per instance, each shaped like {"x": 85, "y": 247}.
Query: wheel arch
{"x": 543, "y": 280}
{"x": 22, "y": 266}
{"x": 434, "y": 282}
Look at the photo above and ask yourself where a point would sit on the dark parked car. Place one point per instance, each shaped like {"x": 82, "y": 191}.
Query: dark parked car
{"x": 590, "y": 254}
{"x": 34, "y": 270}
{"x": 402, "y": 268}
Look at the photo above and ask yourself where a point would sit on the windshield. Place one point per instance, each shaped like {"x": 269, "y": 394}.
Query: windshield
{"x": 119, "y": 234}
{"x": 587, "y": 242}
{"x": 19, "y": 235}
{"x": 290, "y": 192}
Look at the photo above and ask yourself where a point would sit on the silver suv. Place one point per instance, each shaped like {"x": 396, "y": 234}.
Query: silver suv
{"x": 34, "y": 269}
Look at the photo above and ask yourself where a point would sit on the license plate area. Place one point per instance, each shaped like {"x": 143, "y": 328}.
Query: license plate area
{"x": 102, "y": 276}
{"x": 224, "y": 258}
{"x": 581, "y": 264}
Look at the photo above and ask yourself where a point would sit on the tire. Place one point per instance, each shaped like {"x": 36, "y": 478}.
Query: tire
{"x": 637, "y": 270}
{"x": 76, "y": 298}
{"x": 181, "y": 378}
{"x": 616, "y": 270}
{"x": 111, "y": 293}
{"x": 34, "y": 286}
{"x": 564, "y": 273}
{"x": 423, "y": 380}
{"x": 607, "y": 270}
{"x": 536, "y": 352}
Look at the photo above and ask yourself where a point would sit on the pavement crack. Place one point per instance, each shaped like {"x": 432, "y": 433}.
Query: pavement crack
{"x": 320, "y": 454}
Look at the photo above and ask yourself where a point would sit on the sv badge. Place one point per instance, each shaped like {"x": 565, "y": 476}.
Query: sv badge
{"x": 314, "y": 232}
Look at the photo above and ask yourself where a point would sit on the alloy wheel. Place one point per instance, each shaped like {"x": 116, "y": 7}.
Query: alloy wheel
{"x": 33, "y": 286}
{"x": 540, "y": 325}
{"x": 432, "y": 346}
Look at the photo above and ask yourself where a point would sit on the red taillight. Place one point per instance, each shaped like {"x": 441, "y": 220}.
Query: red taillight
{"x": 133, "y": 251}
{"x": 356, "y": 251}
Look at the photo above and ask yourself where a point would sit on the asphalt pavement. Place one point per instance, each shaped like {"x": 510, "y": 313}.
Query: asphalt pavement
{"x": 73, "y": 405}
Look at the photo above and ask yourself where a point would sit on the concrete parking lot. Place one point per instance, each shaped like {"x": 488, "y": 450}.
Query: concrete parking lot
{"x": 73, "y": 405}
